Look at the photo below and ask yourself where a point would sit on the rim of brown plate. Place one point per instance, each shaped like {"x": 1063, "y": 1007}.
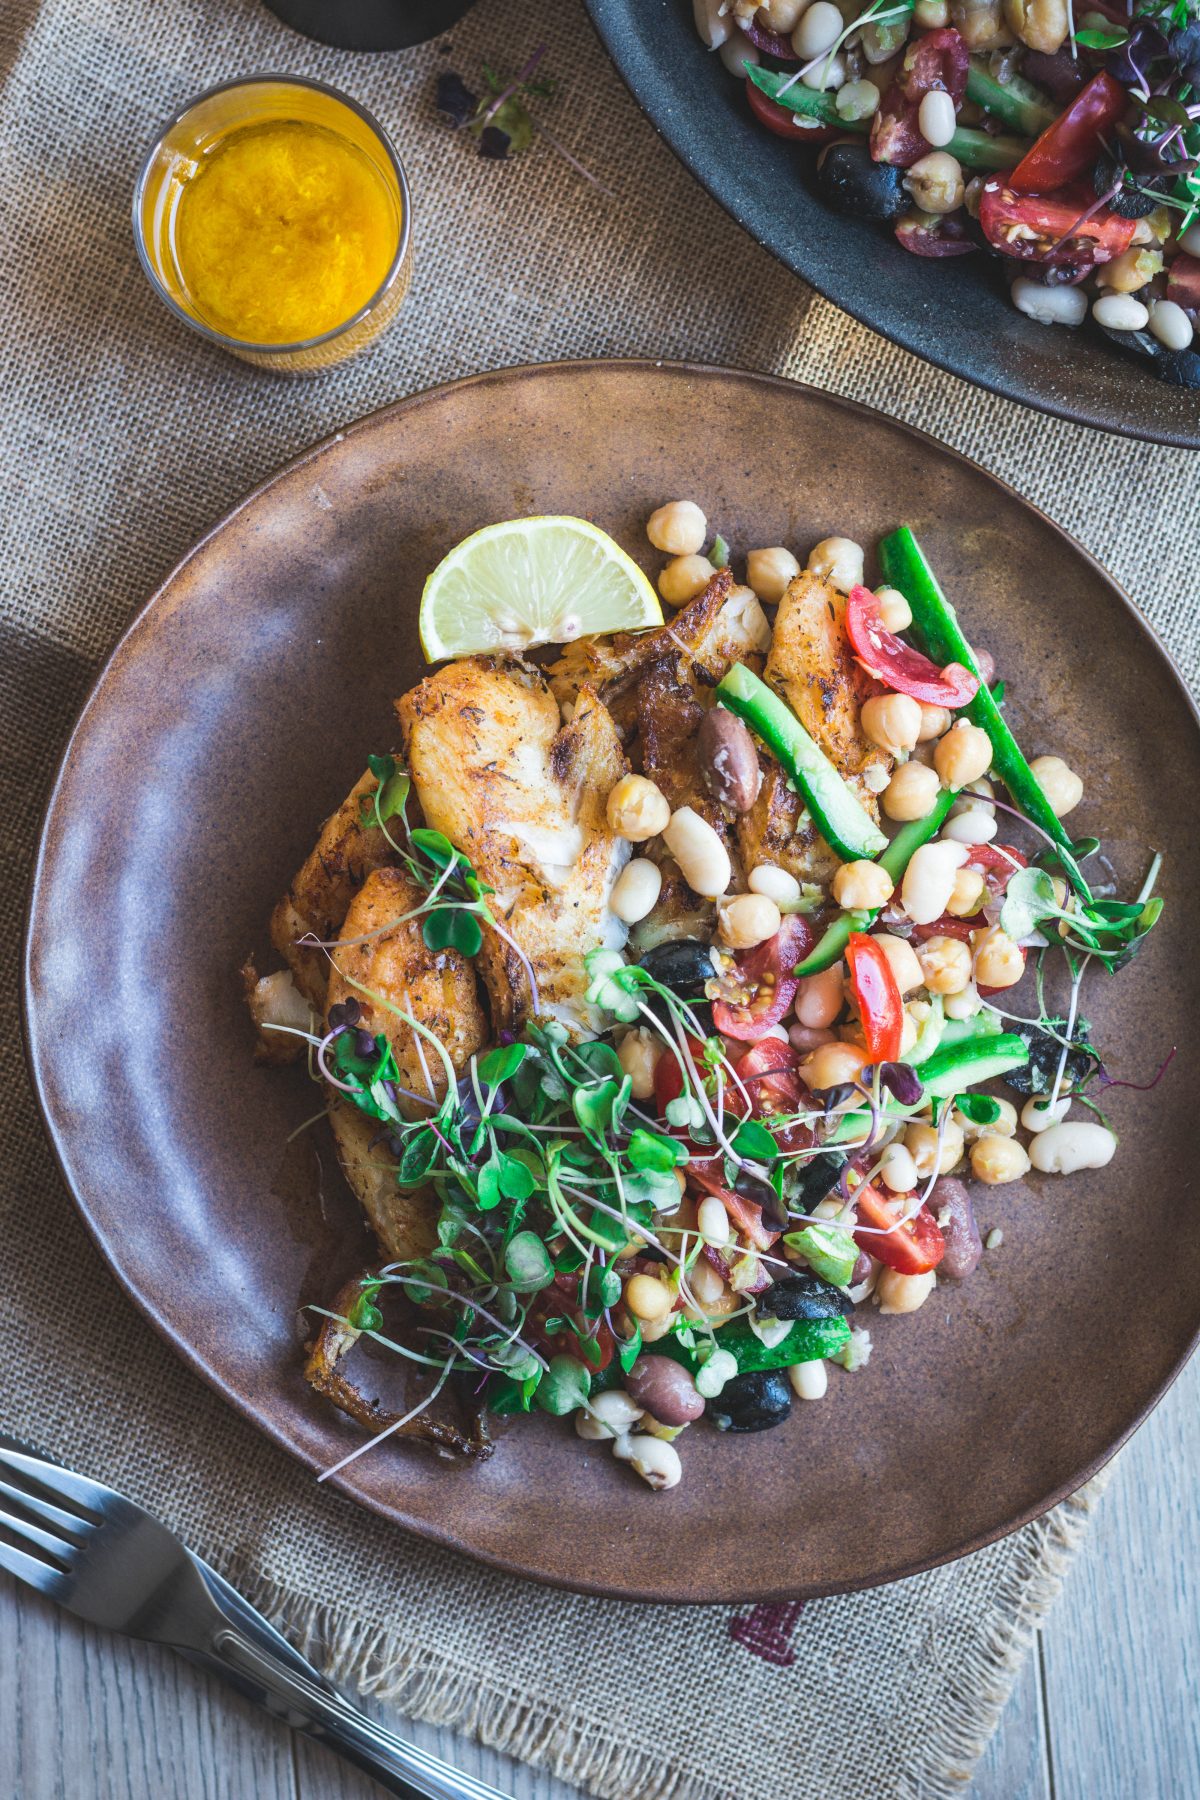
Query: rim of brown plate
{"x": 433, "y": 1531}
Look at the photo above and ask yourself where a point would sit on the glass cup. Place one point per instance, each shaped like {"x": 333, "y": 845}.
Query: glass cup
{"x": 178, "y": 156}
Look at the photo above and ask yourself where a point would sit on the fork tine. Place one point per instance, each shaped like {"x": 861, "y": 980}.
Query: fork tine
{"x": 57, "y": 1547}
{"x": 42, "y": 1509}
{"x": 38, "y": 1574}
{"x": 63, "y": 1483}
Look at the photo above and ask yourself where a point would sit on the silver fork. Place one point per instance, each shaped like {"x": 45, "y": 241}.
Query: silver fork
{"x": 109, "y": 1561}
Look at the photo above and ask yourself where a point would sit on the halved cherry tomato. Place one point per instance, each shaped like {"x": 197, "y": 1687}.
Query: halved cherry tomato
{"x": 1183, "y": 281}
{"x": 745, "y": 1214}
{"x": 939, "y": 60}
{"x": 768, "y": 1072}
{"x": 668, "y": 1085}
{"x": 911, "y": 1249}
{"x": 997, "y": 863}
{"x": 787, "y": 124}
{"x": 1068, "y": 148}
{"x": 947, "y": 926}
{"x": 883, "y": 655}
{"x": 924, "y": 235}
{"x": 878, "y": 994}
{"x": 1051, "y": 228}
{"x": 765, "y": 973}
{"x": 556, "y": 1301}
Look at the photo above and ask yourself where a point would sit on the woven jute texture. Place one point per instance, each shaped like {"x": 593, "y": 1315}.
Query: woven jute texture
{"x": 123, "y": 437}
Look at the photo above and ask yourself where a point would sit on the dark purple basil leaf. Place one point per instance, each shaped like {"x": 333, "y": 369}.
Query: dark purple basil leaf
{"x": 1129, "y": 61}
{"x": 1184, "y": 44}
{"x": 364, "y": 1045}
{"x": 493, "y": 143}
{"x": 902, "y": 1080}
{"x": 347, "y": 1012}
{"x": 455, "y": 101}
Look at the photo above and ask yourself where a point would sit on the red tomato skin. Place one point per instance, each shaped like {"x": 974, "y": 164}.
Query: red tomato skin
{"x": 768, "y": 1072}
{"x": 1183, "y": 281}
{"x": 948, "y": 926}
{"x": 938, "y": 60}
{"x": 786, "y": 124}
{"x": 771, "y": 43}
{"x": 897, "y": 664}
{"x": 1068, "y": 148}
{"x": 771, "y": 962}
{"x": 997, "y": 863}
{"x": 1007, "y": 216}
{"x": 911, "y": 1249}
{"x": 745, "y": 1214}
{"x": 879, "y": 1003}
{"x": 562, "y": 1296}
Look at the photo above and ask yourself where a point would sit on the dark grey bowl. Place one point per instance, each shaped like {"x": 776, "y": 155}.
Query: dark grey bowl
{"x": 370, "y": 24}
{"x": 956, "y": 313}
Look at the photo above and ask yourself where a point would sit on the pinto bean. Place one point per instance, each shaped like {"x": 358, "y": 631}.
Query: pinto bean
{"x": 728, "y": 760}
{"x": 964, "y": 1246}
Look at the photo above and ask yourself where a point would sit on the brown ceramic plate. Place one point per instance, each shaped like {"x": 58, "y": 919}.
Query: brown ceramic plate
{"x": 236, "y": 713}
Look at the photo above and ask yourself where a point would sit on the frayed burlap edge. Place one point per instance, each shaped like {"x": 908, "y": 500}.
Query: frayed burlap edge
{"x": 584, "y": 1752}
{"x": 971, "y": 1705}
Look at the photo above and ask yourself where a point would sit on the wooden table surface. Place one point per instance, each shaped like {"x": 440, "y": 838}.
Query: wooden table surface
{"x": 1105, "y": 1707}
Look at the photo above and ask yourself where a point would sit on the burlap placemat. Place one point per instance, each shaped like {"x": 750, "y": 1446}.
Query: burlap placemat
{"x": 123, "y": 437}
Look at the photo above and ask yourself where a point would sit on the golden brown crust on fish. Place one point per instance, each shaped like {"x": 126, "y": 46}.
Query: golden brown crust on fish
{"x": 524, "y": 798}
{"x": 345, "y": 853}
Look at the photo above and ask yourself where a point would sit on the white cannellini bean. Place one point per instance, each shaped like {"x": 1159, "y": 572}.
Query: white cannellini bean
{"x": 736, "y": 52}
{"x": 1049, "y": 305}
{"x": 656, "y": 1461}
{"x": 897, "y": 1168}
{"x": 936, "y": 118}
{"x": 809, "y": 1380}
{"x": 713, "y": 23}
{"x": 819, "y": 29}
{"x": 702, "y": 857}
{"x": 929, "y": 879}
{"x": 1189, "y": 240}
{"x": 1171, "y": 325}
{"x": 828, "y": 72}
{"x": 1075, "y": 1144}
{"x": 1036, "y": 1116}
{"x": 974, "y": 825}
{"x": 1120, "y": 312}
{"x": 712, "y": 1221}
{"x": 636, "y": 890}
{"x": 609, "y": 1415}
{"x": 775, "y": 883}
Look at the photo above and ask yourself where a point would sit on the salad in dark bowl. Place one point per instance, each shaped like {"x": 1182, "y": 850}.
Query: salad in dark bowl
{"x": 1047, "y": 159}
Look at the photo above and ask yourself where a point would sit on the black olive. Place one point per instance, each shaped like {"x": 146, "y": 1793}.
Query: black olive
{"x": 752, "y": 1402}
{"x": 1128, "y": 201}
{"x": 802, "y": 1296}
{"x": 682, "y": 964}
{"x": 850, "y": 182}
{"x": 1179, "y": 367}
{"x": 817, "y": 1180}
{"x": 1037, "y": 1077}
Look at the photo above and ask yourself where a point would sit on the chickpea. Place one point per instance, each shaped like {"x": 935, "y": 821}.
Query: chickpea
{"x": 934, "y": 721}
{"x": 638, "y": 1056}
{"x": 909, "y": 1032}
{"x": 946, "y": 965}
{"x": 911, "y": 793}
{"x": 1042, "y": 24}
{"x": 964, "y": 754}
{"x": 980, "y": 24}
{"x": 931, "y": 15}
{"x": 747, "y": 920}
{"x": 862, "y": 886}
{"x": 966, "y": 896}
{"x": 892, "y": 721}
{"x": 894, "y": 610}
{"x": 897, "y": 1170}
{"x": 1004, "y": 1126}
{"x": 965, "y": 1004}
{"x": 903, "y": 1293}
{"x": 819, "y": 998}
{"x": 1130, "y": 272}
{"x": 998, "y": 1159}
{"x": 769, "y": 571}
{"x": 837, "y": 559}
{"x": 832, "y": 1065}
{"x": 1060, "y": 784}
{"x": 781, "y": 15}
{"x": 684, "y": 578}
{"x": 637, "y": 809}
{"x": 936, "y": 182}
{"x": 929, "y": 879}
{"x": 998, "y": 961}
{"x": 647, "y": 1297}
{"x": 903, "y": 959}
{"x": 679, "y": 528}
{"x": 921, "y": 1142}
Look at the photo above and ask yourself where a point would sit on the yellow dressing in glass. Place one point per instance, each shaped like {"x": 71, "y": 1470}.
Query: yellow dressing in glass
{"x": 285, "y": 231}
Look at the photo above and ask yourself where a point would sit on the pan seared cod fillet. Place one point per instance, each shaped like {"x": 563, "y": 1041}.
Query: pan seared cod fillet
{"x": 523, "y": 796}
{"x": 812, "y": 667}
{"x": 436, "y": 987}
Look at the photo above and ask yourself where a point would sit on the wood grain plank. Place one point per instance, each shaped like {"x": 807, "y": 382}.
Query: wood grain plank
{"x": 88, "y": 1716}
{"x": 1015, "y": 1764}
{"x": 1122, "y": 1649}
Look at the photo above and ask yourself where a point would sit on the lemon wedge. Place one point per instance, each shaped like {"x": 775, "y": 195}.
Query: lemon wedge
{"x": 532, "y": 581}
